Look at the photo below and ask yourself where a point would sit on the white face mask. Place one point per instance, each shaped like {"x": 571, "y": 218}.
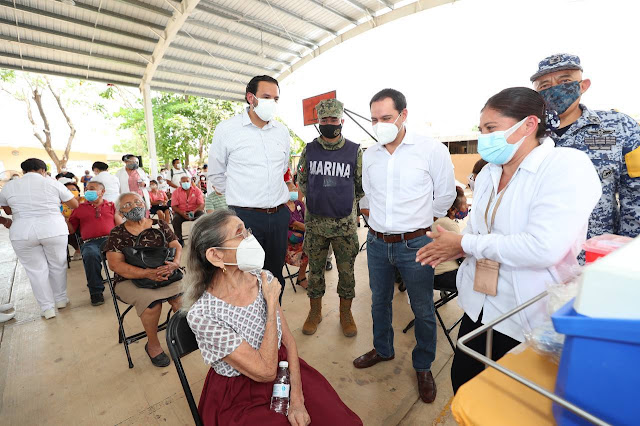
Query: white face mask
{"x": 386, "y": 132}
{"x": 249, "y": 255}
{"x": 266, "y": 109}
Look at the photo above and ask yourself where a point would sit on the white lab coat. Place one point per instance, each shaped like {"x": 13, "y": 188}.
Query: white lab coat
{"x": 538, "y": 232}
{"x": 123, "y": 177}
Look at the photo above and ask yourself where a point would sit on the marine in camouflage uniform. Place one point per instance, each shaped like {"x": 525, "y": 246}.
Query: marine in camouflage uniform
{"x": 330, "y": 177}
{"x": 611, "y": 139}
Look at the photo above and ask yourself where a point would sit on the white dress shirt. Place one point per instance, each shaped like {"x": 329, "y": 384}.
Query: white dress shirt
{"x": 407, "y": 189}
{"x": 35, "y": 204}
{"x": 111, "y": 185}
{"x": 538, "y": 232}
{"x": 248, "y": 163}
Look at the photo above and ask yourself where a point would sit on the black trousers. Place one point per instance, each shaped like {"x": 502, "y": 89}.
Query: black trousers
{"x": 446, "y": 281}
{"x": 179, "y": 220}
{"x": 465, "y": 368}
{"x": 271, "y": 232}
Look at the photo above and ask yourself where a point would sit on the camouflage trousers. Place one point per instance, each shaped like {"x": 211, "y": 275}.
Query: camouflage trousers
{"x": 345, "y": 249}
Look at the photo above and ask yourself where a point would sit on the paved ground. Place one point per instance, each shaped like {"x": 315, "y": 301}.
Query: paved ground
{"x": 71, "y": 370}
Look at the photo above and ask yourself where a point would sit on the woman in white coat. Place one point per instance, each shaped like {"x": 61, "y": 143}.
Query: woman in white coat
{"x": 531, "y": 208}
{"x": 39, "y": 233}
{"x": 133, "y": 179}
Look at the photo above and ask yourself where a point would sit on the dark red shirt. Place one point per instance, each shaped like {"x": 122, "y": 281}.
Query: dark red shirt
{"x": 84, "y": 219}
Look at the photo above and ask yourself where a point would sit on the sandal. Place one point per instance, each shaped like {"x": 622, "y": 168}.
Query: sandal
{"x": 160, "y": 360}
{"x": 299, "y": 281}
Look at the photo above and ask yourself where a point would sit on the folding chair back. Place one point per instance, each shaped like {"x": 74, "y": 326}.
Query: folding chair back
{"x": 181, "y": 341}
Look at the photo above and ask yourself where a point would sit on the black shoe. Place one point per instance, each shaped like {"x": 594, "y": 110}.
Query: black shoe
{"x": 160, "y": 360}
{"x": 97, "y": 299}
{"x": 328, "y": 266}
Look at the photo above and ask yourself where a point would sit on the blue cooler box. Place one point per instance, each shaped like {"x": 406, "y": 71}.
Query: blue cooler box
{"x": 599, "y": 369}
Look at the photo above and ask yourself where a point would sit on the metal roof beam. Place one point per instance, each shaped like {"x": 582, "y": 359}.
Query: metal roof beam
{"x": 360, "y": 7}
{"x": 164, "y": 68}
{"x": 148, "y": 7}
{"x": 228, "y": 32}
{"x": 194, "y": 93}
{"x": 35, "y": 28}
{"x": 232, "y": 15}
{"x": 299, "y": 17}
{"x": 66, "y": 19}
{"x": 221, "y": 57}
{"x": 66, "y": 64}
{"x": 70, "y": 50}
{"x": 230, "y": 46}
{"x": 335, "y": 11}
{"x": 179, "y": 17}
{"x": 201, "y": 65}
{"x": 386, "y": 3}
{"x": 107, "y": 12}
{"x": 67, "y": 75}
{"x": 200, "y": 86}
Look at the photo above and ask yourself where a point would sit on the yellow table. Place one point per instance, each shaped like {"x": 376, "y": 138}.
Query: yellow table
{"x": 493, "y": 399}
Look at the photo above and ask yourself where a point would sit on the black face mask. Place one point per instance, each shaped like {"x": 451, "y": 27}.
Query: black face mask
{"x": 330, "y": 131}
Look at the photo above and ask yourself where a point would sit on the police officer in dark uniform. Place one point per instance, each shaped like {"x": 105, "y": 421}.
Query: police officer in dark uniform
{"x": 610, "y": 138}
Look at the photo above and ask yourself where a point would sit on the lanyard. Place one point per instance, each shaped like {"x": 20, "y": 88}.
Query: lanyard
{"x": 495, "y": 209}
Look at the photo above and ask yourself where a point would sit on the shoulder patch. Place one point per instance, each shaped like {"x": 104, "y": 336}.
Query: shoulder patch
{"x": 633, "y": 163}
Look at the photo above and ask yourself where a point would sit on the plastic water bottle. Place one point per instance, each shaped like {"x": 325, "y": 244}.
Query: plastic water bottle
{"x": 281, "y": 388}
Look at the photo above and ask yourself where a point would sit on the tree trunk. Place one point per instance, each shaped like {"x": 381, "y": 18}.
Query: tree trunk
{"x": 46, "y": 141}
{"x": 72, "y": 129}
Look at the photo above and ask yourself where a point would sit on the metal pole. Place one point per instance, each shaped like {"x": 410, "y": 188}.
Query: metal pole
{"x": 354, "y": 120}
{"x": 151, "y": 137}
{"x": 489, "y": 350}
{"x": 462, "y": 345}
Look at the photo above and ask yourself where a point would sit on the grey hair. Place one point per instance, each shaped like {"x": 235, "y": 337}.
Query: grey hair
{"x": 208, "y": 231}
{"x": 122, "y": 196}
{"x": 97, "y": 183}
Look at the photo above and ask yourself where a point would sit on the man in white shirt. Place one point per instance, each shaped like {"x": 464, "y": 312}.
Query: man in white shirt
{"x": 248, "y": 158}
{"x": 110, "y": 182}
{"x": 176, "y": 173}
{"x": 408, "y": 180}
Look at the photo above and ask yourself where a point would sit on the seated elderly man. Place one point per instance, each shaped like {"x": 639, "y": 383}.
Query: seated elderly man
{"x": 137, "y": 230}
{"x": 187, "y": 202}
{"x": 95, "y": 219}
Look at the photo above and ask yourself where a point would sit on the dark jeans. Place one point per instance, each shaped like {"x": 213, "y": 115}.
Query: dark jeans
{"x": 179, "y": 220}
{"x": 93, "y": 264}
{"x": 271, "y": 232}
{"x": 383, "y": 259}
{"x": 465, "y": 368}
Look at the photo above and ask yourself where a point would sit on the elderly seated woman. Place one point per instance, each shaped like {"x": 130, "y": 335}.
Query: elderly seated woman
{"x": 148, "y": 302}
{"x": 233, "y": 310}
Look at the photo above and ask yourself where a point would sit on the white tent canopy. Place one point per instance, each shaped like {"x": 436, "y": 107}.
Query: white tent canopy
{"x": 207, "y": 48}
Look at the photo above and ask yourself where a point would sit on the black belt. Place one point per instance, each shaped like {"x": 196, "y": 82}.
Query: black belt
{"x": 269, "y": 210}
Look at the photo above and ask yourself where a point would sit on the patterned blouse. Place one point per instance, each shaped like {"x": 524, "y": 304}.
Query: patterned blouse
{"x": 120, "y": 237}
{"x": 220, "y": 327}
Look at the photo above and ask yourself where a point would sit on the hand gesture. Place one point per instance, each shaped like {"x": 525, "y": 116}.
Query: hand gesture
{"x": 270, "y": 290}
{"x": 445, "y": 246}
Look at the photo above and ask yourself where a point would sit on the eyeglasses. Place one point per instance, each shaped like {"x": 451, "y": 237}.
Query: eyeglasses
{"x": 245, "y": 234}
{"x": 130, "y": 205}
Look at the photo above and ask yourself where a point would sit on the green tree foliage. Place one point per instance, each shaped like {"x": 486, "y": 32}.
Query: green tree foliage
{"x": 183, "y": 126}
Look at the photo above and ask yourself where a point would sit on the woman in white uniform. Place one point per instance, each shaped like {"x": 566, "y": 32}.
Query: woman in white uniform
{"x": 39, "y": 233}
{"x": 531, "y": 208}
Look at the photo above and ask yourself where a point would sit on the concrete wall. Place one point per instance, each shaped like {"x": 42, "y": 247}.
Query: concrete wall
{"x": 11, "y": 157}
{"x": 463, "y": 165}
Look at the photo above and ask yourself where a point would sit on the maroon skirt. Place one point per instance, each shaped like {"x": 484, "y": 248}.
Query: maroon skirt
{"x": 235, "y": 401}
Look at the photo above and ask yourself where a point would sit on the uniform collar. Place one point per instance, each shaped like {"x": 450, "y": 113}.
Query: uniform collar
{"x": 588, "y": 118}
{"x": 331, "y": 146}
{"x": 246, "y": 120}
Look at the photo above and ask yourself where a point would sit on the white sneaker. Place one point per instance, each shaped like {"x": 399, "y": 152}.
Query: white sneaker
{"x": 6, "y": 317}
{"x": 62, "y": 304}
{"x": 77, "y": 255}
{"x": 6, "y": 307}
{"x": 49, "y": 313}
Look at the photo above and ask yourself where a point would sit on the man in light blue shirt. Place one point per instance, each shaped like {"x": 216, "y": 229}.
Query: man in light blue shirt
{"x": 248, "y": 158}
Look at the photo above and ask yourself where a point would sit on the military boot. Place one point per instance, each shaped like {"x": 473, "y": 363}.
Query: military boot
{"x": 346, "y": 319}
{"x": 315, "y": 316}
